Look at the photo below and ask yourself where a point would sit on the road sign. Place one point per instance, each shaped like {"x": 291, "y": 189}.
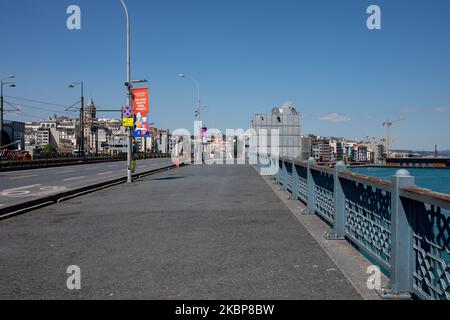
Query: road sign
{"x": 128, "y": 122}
{"x": 127, "y": 111}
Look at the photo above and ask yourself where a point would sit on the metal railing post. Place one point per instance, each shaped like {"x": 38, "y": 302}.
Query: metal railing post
{"x": 284, "y": 176}
{"x": 295, "y": 182}
{"x": 311, "y": 206}
{"x": 275, "y": 164}
{"x": 338, "y": 232}
{"x": 400, "y": 285}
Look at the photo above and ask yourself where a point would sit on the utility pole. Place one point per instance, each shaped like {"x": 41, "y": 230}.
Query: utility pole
{"x": 82, "y": 119}
{"x": 129, "y": 95}
{"x": 11, "y": 85}
{"x": 1, "y": 116}
{"x": 168, "y": 143}
{"x": 199, "y": 146}
{"x": 81, "y": 144}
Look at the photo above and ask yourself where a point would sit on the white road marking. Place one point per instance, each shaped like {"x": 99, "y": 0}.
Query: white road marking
{"x": 23, "y": 177}
{"x": 18, "y": 192}
{"x": 22, "y": 188}
{"x": 76, "y": 178}
{"x": 61, "y": 172}
{"x": 104, "y": 173}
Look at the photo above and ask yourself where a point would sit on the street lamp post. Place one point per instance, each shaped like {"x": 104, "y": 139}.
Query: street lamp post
{"x": 197, "y": 113}
{"x": 11, "y": 85}
{"x": 199, "y": 101}
{"x": 128, "y": 83}
{"x": 73, "y": 85}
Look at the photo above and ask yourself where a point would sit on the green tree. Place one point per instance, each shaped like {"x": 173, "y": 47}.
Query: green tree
{"x": 49, "y": 149}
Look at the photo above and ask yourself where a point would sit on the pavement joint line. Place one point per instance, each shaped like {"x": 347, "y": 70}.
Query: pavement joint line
{"x": 18, "y": 209}
{"x": 342, "y": 253}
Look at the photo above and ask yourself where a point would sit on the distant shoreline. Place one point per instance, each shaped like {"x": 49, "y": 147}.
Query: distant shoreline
{"x": 394, "y": 167}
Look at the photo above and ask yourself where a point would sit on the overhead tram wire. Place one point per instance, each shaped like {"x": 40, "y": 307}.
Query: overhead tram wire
{"x": 38, "y": 101}
{"x": 33, "y": 107}
{"x": 17, "y": 107}
{"x": 68, "y": 111}
{"x": 59, "y": 105}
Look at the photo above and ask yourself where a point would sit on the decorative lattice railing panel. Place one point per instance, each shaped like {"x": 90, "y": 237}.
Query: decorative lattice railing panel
{"x": 324, "y": 188}
{"x": 431, "y": 249}
{"x": 368, "y": 222}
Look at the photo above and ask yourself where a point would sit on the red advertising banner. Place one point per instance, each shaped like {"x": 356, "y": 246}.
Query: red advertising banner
{"x": 140, "y": 101}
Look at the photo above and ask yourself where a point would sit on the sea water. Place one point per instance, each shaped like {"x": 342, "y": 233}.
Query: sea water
{"x": 437, "y": 180}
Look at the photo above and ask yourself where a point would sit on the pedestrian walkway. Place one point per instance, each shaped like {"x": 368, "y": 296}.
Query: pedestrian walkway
{"x": 199, "y": 232}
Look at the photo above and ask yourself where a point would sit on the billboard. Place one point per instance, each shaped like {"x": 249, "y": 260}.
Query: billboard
{"x": 140, "y": 101}
{"x": 142, "y": 127}
{"x": 141, "y": 110}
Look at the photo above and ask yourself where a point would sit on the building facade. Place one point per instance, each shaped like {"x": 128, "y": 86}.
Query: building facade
{"x": 14, "y": 131}
{"x": 287, "y": 121}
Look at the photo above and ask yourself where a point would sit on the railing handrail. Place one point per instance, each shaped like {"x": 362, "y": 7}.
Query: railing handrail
{"x": 427, "y": 196}
{"x": 322, "y": 169}
{"x": 375, "y": 182}
{"x": 403, "y": 228}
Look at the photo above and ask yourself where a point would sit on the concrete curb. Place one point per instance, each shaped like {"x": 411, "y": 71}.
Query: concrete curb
{"x": 18, "y": 209}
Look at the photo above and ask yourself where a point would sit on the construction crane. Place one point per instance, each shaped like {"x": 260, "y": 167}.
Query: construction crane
{"x": 388, "y": 124}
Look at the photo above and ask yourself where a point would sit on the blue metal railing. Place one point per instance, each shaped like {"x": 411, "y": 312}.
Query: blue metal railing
{"x": 402, "y": 228}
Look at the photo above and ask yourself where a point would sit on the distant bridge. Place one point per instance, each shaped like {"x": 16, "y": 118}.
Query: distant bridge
{"x": 419, "y": 162}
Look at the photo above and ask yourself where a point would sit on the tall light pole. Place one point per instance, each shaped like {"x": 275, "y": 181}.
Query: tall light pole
{"x": 199, "y": 101}
{"x": 128, "y": 84}
{"x": 73, "y": 85}
{"x": 197, "y": 112}
{"x": 11, "y": 85}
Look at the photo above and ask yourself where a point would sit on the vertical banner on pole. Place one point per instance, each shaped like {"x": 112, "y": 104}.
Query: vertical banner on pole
{"x": 141, "y": 110}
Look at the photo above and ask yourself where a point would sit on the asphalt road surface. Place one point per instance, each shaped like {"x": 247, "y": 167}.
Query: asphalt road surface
{"x": 21, "y": 186}
{"x": 198, "y": 232}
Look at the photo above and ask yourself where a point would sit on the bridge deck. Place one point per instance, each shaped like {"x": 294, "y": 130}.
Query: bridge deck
{"x": 200, "y": 232}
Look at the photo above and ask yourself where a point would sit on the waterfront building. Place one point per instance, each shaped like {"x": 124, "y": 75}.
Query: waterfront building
{"x": 306, "y": 147}
{"x": 322, "y": 151}
{"x": 287, "y": 120}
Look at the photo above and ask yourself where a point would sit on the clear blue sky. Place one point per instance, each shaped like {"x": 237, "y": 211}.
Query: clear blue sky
{"x": 249, "y": 56}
